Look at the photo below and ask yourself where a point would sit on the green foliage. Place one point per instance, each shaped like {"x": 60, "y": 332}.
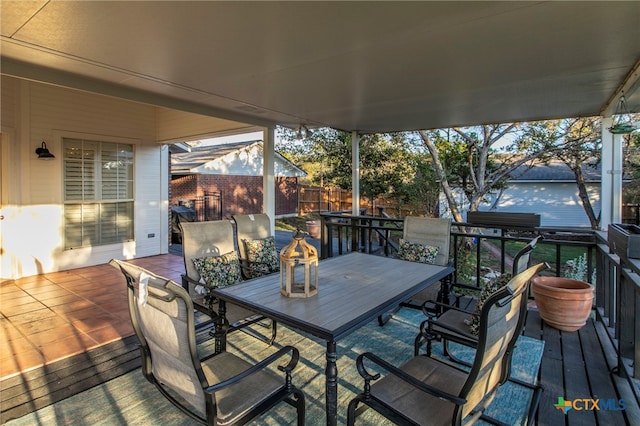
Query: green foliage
{"x": 466, "y": 265}
{"x": 461, "y": 157}
{"x": 389, "y": 165}
{"x": 479, "y": 160}
{"x": 476, "y": 160}
{"x": 578, "y": 270}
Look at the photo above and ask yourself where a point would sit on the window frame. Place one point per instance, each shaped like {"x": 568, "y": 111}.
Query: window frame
{"x": 109, "y": 226}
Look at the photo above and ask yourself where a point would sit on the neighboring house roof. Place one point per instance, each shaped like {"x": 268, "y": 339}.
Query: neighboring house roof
{"x": 236, "y": 158}
{"x": 556, "y": 171}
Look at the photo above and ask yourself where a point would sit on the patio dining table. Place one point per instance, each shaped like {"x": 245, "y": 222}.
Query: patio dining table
{"x": 353, "y": 289}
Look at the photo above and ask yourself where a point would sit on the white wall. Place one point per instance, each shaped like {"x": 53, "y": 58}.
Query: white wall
{"x": 32, "y": 232}
{"x": 248, "y": 161}
{"x": 557, "y": 202}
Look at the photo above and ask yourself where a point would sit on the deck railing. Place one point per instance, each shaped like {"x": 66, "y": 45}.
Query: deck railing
{"x": 569, "y": 251}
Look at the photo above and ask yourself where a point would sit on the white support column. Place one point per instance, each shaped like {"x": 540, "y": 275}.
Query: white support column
{"x": 355, "y": 173}
{"x": 165, "y": 180}
{"x": 611, "y": 182}
{"x": 616, "y": 187}
{"x": 268, "y": 175}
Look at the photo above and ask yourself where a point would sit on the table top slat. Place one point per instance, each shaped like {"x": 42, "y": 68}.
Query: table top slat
{"x": 352, "y": 290}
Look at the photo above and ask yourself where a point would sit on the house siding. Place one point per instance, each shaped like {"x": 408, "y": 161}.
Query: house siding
{"x": 9, "y": 101}
{"x": 557, "y": 203}
{"x": 32, "y": 234}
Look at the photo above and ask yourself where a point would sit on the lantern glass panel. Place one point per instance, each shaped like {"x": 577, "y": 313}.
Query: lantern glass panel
{"x": 299, "y": 268}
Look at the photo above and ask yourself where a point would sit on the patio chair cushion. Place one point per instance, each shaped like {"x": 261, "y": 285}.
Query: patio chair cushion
{"x": 219, "y": 271}
{"x": 262, "y": 256}
{"x": 486, "y": 292}
{"x": 417, "y": 252}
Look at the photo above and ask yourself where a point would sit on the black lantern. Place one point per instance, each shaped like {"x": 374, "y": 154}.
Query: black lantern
{"x": 43, "y": 152}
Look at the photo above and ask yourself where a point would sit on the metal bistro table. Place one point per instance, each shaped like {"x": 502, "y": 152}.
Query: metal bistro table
{"x": 353, "y": 289}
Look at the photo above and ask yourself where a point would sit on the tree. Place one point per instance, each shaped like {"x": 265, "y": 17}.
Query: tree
{"x": 388, "y": 165}
{"x": 577, "y": 143}
{"x": 317, "y": 152}
{"x": 466, "y": 159}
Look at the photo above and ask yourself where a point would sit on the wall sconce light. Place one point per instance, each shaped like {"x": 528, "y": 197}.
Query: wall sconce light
{"x": 43, "y": 153}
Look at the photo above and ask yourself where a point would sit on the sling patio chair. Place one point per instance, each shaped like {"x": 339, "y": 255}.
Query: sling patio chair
{"x": 220, "y": 389}
{"x": 460, "y": 324}
{"x": 256, "y": 245}
{"x": 427, "y": 240}
{"x": 211, "y": 260}
{"x": 429, "y": 391}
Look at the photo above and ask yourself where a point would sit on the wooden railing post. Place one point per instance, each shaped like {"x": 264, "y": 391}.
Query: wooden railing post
{"x": 628, "y": 343}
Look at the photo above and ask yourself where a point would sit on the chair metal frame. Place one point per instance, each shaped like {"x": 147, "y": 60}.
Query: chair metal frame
{"x": 163, "y": 295}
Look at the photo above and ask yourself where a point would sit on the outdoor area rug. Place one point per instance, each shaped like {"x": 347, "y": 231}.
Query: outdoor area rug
{"x": 130, "y": 399}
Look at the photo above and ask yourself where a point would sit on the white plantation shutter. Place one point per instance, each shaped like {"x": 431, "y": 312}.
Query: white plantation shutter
{"x": 98, "y": 191}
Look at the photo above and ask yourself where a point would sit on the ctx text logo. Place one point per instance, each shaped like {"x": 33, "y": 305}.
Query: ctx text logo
{"x": 589, "y": 404}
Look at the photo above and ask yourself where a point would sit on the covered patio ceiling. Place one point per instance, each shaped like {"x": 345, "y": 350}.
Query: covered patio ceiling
{"x": 355, "y": 66}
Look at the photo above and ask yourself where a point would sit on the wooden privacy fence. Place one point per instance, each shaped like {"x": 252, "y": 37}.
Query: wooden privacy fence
{"x": 315, "y": 199}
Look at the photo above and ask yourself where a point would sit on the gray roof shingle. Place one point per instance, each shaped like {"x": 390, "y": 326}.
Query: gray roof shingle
{"x": 555, "y": 171}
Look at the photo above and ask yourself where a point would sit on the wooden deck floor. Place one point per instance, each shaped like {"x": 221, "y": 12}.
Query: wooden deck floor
{"x": 574, "y": 366}
{"x": 580, "y": 365}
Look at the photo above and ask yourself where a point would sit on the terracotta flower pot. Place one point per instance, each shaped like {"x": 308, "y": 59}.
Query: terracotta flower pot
{"x": 563, "y": 303}
{"x": 313, "y": 228}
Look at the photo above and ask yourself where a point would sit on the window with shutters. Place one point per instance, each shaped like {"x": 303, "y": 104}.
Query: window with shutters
{"x": 98, "y": 192}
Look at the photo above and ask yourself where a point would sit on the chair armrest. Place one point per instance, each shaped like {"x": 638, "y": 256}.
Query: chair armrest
{"x": 295, "y": 356}
{"x": 451, "y": 333}
{"x": 186, "y": 280}
{"x": 403, "y": 376}
{"x": 428, "y": 306}
{"x": 201, "y": 301}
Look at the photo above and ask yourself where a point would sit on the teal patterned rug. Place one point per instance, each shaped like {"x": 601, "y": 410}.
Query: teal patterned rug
{"x": 130, "y": 399}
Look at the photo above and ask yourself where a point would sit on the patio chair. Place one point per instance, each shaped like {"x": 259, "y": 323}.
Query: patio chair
{"x": 214, "y": 240}
{"x": 424, "y": 239}
{"x": 256, "y": 245}
{"x": 458, "y": 324}
{"x": 426, "y": 391}
{"x": 220, "y": 389}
